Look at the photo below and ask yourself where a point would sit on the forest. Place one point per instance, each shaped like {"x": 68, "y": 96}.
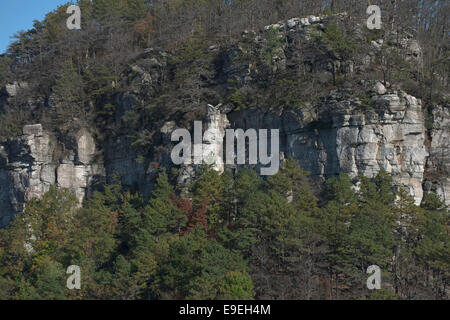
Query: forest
{"x": 229, "y": 236}
{"x": 75, "y": 73}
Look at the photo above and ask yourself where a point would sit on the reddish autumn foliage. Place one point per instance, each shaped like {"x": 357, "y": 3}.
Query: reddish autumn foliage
{"x": 197, "y": 216}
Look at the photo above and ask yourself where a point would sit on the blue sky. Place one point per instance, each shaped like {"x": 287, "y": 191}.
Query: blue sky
{"x": 18, "y": 15}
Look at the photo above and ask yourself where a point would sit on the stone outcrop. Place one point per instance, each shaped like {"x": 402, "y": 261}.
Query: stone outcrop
{"x": 344, "y": 138}
{"x": 28, "y": 167}
{"x": 338, "y": 136}
{"x": 12, "y": 89}
{"x": 384, "y": 129}
{"x": 212, "y": 151}
{"x": 213, "y": 139}
{"x": 438, "y": 166}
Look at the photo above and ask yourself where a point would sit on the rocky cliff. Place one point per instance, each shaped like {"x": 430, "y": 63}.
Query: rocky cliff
{"x": 437, "y": 171}
{"x": 30, "y": 164}
{"x": 342, "y": 131}
{"x": 391, "y": 136}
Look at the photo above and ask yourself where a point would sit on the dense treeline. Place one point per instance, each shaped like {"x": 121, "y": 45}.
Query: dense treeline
{"x": 71, "y": 73}
{"x": 228, "y": 237}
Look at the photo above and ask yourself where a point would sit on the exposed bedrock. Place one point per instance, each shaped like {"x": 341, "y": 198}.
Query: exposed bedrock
{"x": 389, "y": 136}
{"x": 384, "y": 129}
{"x": 30, "y": 164}
{"x": 338, "y": 136}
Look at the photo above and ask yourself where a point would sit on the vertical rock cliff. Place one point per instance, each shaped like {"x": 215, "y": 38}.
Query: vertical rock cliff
{"x": 281, "y": 78}
{"x": 391, "y": 136}
{"x": 30, "y": 164}
{"x": 343, "y": 137}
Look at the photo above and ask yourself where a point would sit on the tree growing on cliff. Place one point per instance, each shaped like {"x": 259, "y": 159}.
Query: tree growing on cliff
{"x": 69, "y": 95}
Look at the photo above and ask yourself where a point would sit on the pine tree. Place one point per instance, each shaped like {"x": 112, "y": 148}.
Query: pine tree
{"x": 433, "y": 248}
{"x": 334, "y": 226}
{"x": 69, "y": 93}
{"x": 405, "y": 266}
{"x": 209, "y": 199}
{"x": 162, "y": 216}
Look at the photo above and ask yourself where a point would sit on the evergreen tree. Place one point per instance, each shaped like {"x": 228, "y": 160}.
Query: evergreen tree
{"x": 69, "y": 93}
{"x": 162, "y": 216}
{"x": 208, "y": 194}
{"x": 405, "y": 267}
{"x": 334, "y": 225}
{"x": 433, "y": 248}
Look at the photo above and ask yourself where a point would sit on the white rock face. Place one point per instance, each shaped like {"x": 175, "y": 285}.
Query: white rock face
{"x": 27, "y": 169}
{"x": 414, "y": 47}
{"x": 390, "y": 136}
{"x": 275, "y": 26}
{"x": 212, "y": 151}
{"x": 395, "y": 144}
{"x": 347, "y": 140}
{"x": 304, "y": 22}
{"x": 379, "y": 88}
{"x": 213, "y": 138}
{"x": 293, "y": 23}
{"x": 313, "y": 19}
{"x": 13, "y": 88}
{"x": 85, "y": 147}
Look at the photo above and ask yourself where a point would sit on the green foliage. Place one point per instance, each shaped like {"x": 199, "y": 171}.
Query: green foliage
{"x": 162, "y": 217}
{"x": 383, "y": 294}
{"x": 5, "y": 63}
{"x": 235, "y": 237}
{"x": 373, "y": 35}
{"x": 238, "y": 99}
{"x": 339, "y": 189}
{"x": 69, "y": 92}
{"x": 131, "y": 120}
{"x": 273, "y": 45}
{"x": 195, "y": 267}
{"x": 428, "y": 119}
{"x": 208, "y": 191}
{"x": 237, "y": 285}
{"x": 366, "y": 101}
{"x": 48, "y": 278}
{"x": 340, "y": 44}
{"x": 108, "y": 110}
{"x": 287, "y": 93}
{"x": 433, "y": 249}
{"x": 192, "y": 51}
{"x": 8, "y": 127}
{"x": 99, "y": 80}
{"x": 35, "y": 247}
{"x": 236, "y": 95}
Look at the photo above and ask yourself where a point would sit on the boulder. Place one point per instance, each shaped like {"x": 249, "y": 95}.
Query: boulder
{"x": 34, "y": 129}
{"x": 379, "y": 88}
